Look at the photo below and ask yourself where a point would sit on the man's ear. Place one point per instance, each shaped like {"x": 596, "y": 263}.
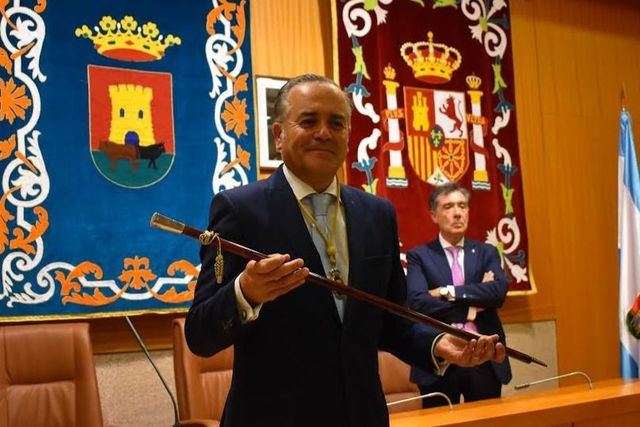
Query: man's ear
{"x": 433, "y": 216}
{"x": 278, "y": 134}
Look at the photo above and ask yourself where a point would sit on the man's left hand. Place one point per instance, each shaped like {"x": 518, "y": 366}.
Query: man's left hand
{"x": 488, "y": 277}
{"x": 470, "y": 353}
{"x": 435, "y": 292}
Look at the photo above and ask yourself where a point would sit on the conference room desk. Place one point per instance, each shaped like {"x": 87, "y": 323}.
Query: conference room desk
{"x": 611, "y": 403}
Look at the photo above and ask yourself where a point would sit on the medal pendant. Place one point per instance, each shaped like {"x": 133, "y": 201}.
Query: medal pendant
{"x": 336, "y": 277}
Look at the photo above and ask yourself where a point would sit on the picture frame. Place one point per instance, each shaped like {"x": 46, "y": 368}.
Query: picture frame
{"x": 266, "y": 90}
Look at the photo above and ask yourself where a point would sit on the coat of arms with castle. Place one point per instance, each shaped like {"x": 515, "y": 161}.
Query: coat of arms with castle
{"x": 131, "y": 111}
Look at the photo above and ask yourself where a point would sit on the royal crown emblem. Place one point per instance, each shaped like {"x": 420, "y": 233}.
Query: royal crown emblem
{"x": 431, "y": 62}
{"x": 473, "y": 82}
{"x": 126, "y": 41}
{"x": 389, "y": 72}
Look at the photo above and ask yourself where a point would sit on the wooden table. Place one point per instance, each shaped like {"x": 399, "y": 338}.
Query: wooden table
{"x": 610, "y": 403}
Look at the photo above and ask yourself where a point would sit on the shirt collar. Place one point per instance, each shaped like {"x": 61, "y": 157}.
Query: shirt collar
{"x": 446, "y": 244}
{"x": 301, "y": 189}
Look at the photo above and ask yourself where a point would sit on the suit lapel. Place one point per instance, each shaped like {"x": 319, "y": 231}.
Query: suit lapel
{"x": 289, "y": 223}
{"x": 440, "y": 263}
{"x": 470, "y": 260}
{"x": 355, "y": 227}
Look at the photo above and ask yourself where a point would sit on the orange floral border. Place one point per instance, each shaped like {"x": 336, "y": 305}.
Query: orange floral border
{"x": 136, "y": 275}
{"x": 14, "y": 102}
{"x": 235, "y": 115}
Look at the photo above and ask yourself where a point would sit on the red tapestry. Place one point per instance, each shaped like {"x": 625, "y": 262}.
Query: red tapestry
{"x": 433, "y": 91}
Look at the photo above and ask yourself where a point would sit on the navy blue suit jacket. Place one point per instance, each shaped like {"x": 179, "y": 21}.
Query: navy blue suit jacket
{"x": 429, "y": 269}
{"x": 297, "y": 364}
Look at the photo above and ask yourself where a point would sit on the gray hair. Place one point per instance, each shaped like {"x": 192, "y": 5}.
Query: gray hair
{"x": 280, "y": 105}
{"x": 444, "y": 189}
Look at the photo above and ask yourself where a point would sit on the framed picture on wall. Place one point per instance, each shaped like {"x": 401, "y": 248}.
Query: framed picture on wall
{"x": 266, "y": 91}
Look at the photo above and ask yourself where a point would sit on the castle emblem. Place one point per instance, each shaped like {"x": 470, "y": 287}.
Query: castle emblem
{"x": 131, "y": 124}
{"x": 126, "y": 41}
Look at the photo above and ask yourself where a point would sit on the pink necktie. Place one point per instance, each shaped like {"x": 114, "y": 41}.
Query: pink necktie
{"x": 456, "y": 270}
{"x": 458, "y": 279}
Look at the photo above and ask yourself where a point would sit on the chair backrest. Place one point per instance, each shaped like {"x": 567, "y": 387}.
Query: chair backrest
{"x": 47, "y": 376}
{"x": 394, "y": 376}
{"x": 202, "y": 384}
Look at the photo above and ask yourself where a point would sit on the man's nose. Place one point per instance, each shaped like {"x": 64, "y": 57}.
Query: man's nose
{"x": 323, "y": 132}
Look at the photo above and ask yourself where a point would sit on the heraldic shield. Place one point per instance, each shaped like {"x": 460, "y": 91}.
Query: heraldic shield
{"x": 437, "y": 136}
{"x": 131, "y": 125}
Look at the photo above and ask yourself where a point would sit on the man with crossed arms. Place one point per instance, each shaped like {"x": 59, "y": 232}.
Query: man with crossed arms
{"x": 459, "y": 281}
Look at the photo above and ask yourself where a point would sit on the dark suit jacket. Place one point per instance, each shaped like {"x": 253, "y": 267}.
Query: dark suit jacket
{"x": 297, "y": 364}
{"x": 429, "y": 269}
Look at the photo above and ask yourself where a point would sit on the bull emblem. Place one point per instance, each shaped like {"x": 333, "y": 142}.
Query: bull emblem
{"x": 132, "y": 153}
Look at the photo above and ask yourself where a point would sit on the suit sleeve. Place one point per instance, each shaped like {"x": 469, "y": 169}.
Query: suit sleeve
{"x": 407, "y": 341}
{"x": 485, "y": 294}
{"x": 418, "y": 297}
{"x": 213, "y": 322}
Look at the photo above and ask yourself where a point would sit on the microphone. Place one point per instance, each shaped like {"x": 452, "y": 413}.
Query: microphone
{"x": 410, "y": 399}
{"x": 176, "y": 419}
{"x": 557, "y": 377}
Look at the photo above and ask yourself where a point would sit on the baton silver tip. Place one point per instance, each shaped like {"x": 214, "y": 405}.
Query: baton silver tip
{"x": 165, "y": 223}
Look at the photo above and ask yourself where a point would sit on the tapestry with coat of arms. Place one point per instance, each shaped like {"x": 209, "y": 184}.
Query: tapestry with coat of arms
{"x": 433, "y": 92}
{"x": 110, "y": 111}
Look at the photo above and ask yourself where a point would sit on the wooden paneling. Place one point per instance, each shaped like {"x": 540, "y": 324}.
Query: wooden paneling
{"x": 571, "y": 59}
{"x": 291, "y": 37}
{"x": 112, "y": 335}
{"x": 529, "y": 107}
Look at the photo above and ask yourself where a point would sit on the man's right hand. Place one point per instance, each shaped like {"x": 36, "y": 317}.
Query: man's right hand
{"x": 470, "y": 353}
{"x": 267, "y": 279}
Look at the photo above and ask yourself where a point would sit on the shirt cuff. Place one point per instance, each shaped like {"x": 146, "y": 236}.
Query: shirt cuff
{"x": 451, "y": 292}
{"x": 441, "y": 365}
{"x": 246, "y": 312}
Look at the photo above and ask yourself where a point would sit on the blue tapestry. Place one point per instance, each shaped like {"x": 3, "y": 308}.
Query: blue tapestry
{"x": 109, "y": 111}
